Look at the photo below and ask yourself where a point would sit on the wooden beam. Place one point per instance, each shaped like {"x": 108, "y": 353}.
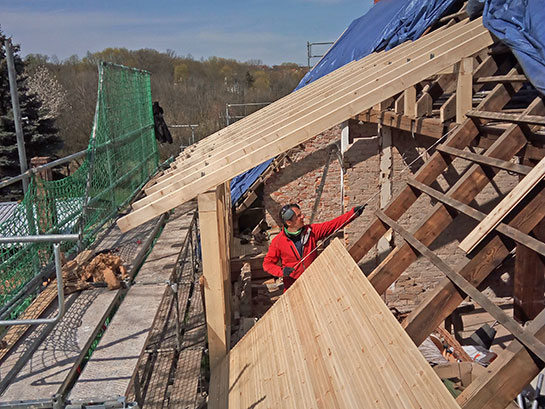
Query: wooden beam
{"x": 460, "y": 138}
{"x": 445, "y": 297}
{"x": 372, "y": 63}
{"x": 529, "y": 280}
{"x": 327, "y": 113}
{"x": 464, "y": 89}
{"x": 424, "y": 105}
{"x": 506, "y": 117}
{"x": 289, "y": 109}
{"x": 507, "y": 375}
{"x": 487, "y": 67}
{"x": 485, "y": 160}
{"x": 508, "y": 203}
{"x": 424, "y": 126}
{"x": 215, "y": 260}
{"x": 501, "y": 78}
{"x": 409, "y": 101}
{"x": 399, "y": 104}
{"x": 448, "y": 109}
{"x": 523, "y": 336}
{"x": 528, "y": 283}
{"x": 464, "y": 190}
{"x": 508, "y": 231}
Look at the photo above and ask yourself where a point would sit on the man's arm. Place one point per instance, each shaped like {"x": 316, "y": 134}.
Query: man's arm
{"x": 322, "y": 230}
{"x": 270, "y": 262}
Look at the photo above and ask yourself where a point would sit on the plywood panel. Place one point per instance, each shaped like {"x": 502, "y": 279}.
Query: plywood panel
{"x": 329, "y": 342}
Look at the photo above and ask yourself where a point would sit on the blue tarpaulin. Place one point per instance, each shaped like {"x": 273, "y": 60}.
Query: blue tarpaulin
{"x": 241, "y": 183}
{"x": 520, "y": 24}
{"x": 388, "y": 24}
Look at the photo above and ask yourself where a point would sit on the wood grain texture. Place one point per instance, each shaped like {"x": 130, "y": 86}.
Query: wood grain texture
{"x": 329, "y": 342}
{"x": 504, "y": 207}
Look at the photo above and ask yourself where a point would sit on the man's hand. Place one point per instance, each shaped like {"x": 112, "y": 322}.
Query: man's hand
{"x": 358, "y": 210}
{"x": 287, "y": 271}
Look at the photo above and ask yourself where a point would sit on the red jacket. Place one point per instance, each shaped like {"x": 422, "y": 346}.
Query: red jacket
{"x": 284, "y": 250}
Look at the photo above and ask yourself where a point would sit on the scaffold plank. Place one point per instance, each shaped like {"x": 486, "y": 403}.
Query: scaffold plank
{"x": 114, "y": 362}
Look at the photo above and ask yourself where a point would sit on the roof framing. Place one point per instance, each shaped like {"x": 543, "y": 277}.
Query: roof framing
{"x": 303, "y": 114}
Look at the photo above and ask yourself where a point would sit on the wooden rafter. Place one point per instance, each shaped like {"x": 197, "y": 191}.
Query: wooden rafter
{"x": 460, "y": 138}
{"x": 528, "y": 339}
{"x": 302, "y": 122}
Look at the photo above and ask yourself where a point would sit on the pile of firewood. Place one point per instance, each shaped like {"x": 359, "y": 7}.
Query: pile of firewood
{"x": 84, "y": 270}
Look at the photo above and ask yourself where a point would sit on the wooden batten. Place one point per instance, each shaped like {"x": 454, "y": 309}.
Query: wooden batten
{"x": 504, "y": 207}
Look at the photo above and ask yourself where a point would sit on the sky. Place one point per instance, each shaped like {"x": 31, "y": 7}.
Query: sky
{"x": 273, "y": 31}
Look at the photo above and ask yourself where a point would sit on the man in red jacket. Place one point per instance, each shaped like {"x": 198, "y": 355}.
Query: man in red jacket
{"x": 296, "y": 244}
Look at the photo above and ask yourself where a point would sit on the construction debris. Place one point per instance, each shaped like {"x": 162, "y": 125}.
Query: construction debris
{"x": 82, "y": 272}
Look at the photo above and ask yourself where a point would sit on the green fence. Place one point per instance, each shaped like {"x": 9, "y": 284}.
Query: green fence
{"x": 121, "y": 156}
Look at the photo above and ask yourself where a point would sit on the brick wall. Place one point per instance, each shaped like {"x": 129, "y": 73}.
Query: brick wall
{"x": 297, "y": 182}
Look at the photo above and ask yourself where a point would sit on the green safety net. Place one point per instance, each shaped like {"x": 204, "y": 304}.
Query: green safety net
{"x": 121, "y": 156}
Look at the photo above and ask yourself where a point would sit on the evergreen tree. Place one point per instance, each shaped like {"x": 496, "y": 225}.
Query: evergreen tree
{"x": 40, "y": 134}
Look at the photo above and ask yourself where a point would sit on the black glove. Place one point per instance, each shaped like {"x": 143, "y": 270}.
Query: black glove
{"x": 287, "y": 271}
{"x": 358, "y": 210}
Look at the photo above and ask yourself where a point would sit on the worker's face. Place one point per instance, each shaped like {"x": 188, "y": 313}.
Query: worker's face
{"x": 297, "y": 221}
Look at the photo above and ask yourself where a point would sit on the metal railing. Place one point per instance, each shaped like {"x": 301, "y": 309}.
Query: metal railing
{"x": 50, "y": 238}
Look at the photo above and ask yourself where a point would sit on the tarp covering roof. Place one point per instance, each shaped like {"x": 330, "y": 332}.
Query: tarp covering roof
{"x": 520, "y": 25}
{"x": 241, "y": 183}
{"x": 386, "y": 25}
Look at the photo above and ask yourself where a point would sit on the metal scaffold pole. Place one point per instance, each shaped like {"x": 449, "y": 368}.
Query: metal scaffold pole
{"x": 16, "y": 111}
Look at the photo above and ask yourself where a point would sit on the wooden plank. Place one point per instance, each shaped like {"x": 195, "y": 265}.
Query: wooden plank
{"x": 320, "y": 360}
{"x": 445, "y": 297}
{"x": 499, "y": 386}
{"x": 423, "y": 126}
{"x": 528, "y": 241}
{"x": 366, "y": 72}
{"x": 504, "y": 207}
{"x": 464, "y": 89}
{"x": 464, "y": 190}
{"x": 501, "y": 78}
{"x": 115, "y": 361}
{"x": 35, "y": 310}
{"x": 326, "y": 114}
{"x": 507, "y": 117}
{"x": 485, "y": 160}
{"x": 529, "y": 280}
{"x": 460, "y": 138}
{"x": 216, "y": 273}
{"x": 510, "y": 324}
{"x": 409, "y": 102}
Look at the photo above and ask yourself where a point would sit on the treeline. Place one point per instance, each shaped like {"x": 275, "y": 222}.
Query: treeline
{"x": 190, "y": 91}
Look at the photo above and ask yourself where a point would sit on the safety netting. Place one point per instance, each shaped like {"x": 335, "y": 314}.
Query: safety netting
{"x": 121, "y": 156}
